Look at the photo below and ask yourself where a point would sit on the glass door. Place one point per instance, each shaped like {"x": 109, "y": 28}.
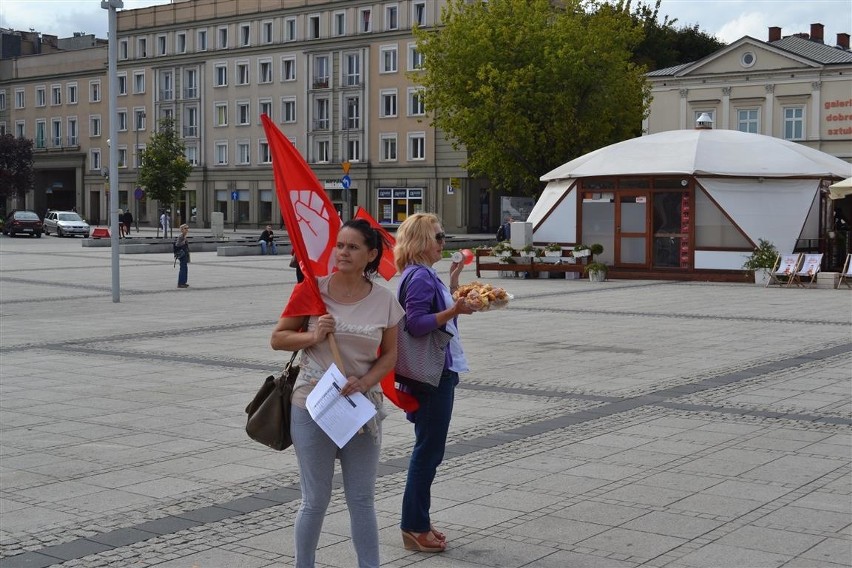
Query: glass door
{"x": 632, "y": 228}
{"x": 671, "y": 230}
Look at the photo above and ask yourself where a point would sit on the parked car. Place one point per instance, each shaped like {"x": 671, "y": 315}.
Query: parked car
{"x": 22, "y": 222}
{"x": 65, "y": 223}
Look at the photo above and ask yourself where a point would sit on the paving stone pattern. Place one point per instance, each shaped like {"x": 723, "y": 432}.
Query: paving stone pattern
{"x": 608, "y": 425}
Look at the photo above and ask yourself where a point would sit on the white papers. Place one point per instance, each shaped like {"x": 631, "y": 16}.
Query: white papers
{"x": 339, "y": 416}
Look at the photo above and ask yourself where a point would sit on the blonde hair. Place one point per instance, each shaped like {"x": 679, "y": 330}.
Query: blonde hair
{"x": 184, "y": 226}
{"x": 414, "y": 236}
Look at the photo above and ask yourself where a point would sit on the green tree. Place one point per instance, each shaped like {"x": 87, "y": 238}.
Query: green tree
{"x": 526, "y": 85}
{"x": 16, "y": 166}
{"x": 164, "y": 167}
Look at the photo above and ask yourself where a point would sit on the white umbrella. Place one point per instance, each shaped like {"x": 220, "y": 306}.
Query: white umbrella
{"x": 840, "y": 189}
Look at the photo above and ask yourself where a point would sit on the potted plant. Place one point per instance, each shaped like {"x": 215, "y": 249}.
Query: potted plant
{"x": 528, "y": 251}
{"x": 596, "y": 249}
{"x": 502, "y": 249}
{"x": 581, "y": 250}
{"x": 761, "y": 261}
{"x": 553, "y": 249}
{"x": 596, "y": 271}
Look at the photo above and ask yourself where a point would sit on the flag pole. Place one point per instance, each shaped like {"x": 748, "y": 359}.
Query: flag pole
{"x": 335, "y": 352}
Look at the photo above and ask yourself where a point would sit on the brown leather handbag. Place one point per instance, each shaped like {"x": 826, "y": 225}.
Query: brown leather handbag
{"x": 269, "y": 411}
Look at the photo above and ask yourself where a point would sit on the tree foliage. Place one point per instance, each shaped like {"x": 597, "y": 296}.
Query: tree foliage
{"x": 664, "y": 44}
{"x": 526, "y": 85}
{"x": 164, "y": 167}
{"x": 16, "y": 166}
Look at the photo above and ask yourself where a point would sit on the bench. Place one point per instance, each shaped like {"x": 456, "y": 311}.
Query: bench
{"x": 250, "y": 249}
{"x": 529, "y": 265}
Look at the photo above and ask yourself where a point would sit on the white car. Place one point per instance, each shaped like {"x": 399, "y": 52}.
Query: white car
{"x": 65, "y": 223}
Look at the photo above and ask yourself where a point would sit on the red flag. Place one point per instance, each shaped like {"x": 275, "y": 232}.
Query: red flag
{"x": 387, "y": 268}
{"x": 311, "y": 219}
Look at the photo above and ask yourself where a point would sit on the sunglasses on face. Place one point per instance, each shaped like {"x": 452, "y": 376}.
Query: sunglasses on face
{"x": 440, "y": 237}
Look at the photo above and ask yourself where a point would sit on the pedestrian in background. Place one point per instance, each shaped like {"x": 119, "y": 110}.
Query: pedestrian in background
{"x": 164, "y": 223}
{"x": 364, "y": 318}
{"x": 181, "y": 248}
{"x": 429, "y": 305}
{"x": 267, "y": 241}
{"x": 127, "y": 221}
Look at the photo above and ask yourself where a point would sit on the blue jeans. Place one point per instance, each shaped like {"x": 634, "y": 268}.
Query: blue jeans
{"x": 183, "y": 272}
{"x": 431, "y": 424}
{"x": 263, "y": 245}
{"x": 359, "y": 460}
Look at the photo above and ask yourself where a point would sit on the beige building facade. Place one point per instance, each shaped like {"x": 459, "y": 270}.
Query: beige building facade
{"x": 339, "y": 80}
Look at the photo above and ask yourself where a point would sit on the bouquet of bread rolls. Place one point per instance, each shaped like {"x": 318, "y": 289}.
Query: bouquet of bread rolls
{"x": 481, "y": 297}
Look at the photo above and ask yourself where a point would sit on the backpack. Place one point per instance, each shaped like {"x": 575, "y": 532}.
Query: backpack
{"x": 501, "y": 233}
{"x": 179, "y": 252}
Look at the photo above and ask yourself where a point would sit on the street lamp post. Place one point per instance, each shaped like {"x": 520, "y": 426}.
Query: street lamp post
{"x": 112, "y": 6}
{"x": 140, "y": 117}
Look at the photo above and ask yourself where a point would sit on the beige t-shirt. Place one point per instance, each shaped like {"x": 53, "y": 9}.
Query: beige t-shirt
{"x": 358, "y": 330}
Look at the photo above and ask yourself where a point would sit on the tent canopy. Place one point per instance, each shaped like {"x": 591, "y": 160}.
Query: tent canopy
{"x": 705, "y": 152}
{"x": 840, "y": 189}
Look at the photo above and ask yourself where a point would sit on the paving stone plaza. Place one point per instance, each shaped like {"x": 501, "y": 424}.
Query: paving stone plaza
{"x": 603, "y": 425}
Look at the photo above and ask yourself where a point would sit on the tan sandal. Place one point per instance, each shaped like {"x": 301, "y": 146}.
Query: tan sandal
{"x": 422, "y": 542}
{"x": 438, "y": 534}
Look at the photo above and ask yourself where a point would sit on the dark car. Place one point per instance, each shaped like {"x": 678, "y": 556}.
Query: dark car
{"x": 22, "y": 223}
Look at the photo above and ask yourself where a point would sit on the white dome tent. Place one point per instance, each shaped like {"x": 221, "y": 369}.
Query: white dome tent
{"x": 736, "y": 188}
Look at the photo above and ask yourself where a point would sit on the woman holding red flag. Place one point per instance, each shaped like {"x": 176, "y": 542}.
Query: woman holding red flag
{"x": 428, "y": 306}
{"x": 363, "y": 318}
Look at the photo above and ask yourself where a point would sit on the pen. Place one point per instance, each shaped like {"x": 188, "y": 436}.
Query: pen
{"x": 346, "y": 396}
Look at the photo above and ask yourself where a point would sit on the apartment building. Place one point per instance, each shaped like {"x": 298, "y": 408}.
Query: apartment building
{"x": 796, "y": 87}
{"x": 338, "y": 78}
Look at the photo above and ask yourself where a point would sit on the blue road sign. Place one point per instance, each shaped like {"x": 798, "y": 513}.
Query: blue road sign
{"x": 346, "y": 181}
{"x": 235, "y": 195}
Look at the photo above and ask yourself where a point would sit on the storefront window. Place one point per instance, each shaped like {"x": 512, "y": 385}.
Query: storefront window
{"x": 264, "y": 206}
{"x": 713, "y": 229}
{"x": 397, "y": 203}
{"x": 221, "y": 205}
{"x": 242, "y": 206}
{"x": 671, "y": 230}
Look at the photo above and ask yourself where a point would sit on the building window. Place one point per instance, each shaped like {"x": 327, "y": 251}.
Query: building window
{"x": 191, "y": 154}
{"x": 397, "y": 203}
{"x": 221, "y": 112}
{"x": 122, "y": 84}
{"x": 288, "y": 109}
{"x": 41, "y": 135}
{"x": 190, "y": 122}
{"x": 290, "y": 29}
{"x": 415, "y": 58}
{"x": 321, "y": 114}
{"x": 266, "y": 32}
{"x": 72, "y": 93}
{"x": 94, "y": 126}
{"x": 161, "y": 45}
{"x": 265, "y": 107}
{"x": 264, "y": 156}
{"x": 221, "y": 153}
{"x": 56, "y": 132}
{"x": 313, "y": 27}
{"x": 321, "y": 72}
{"x": 264, "y": 71}
{"x": 364, "y": 19}
{"x": 418, "y": 14}
{"x": 20, "y": 129}
{"x": 40, "y": 97}
{"x": 391, "y": 17}
{"x": 2, "y": 100}
{"x": 222, "y": 38}
{"x": 245, "y": 35}
{"x": 323, "y": 153}
{"x": 387, "y": 143}
{"x": 242, "y": 73}
{"x": 167, "y": 91}
{"x": 139, "y": 117}
{"x": 353, "y": 69}
{"x": 794, "y": 123}
{"x": 19, "y": 98}
{"x": 73, "y": 133}
{"x": 353, "y": 150}
{"x": 95, "y": 158}
{"x": 123, "y": 52}
{"x": 243, "y": 115}
{"x": 288, "y": 68}
{"x": 352, "y": 114}
{"x": 122, "y": 157}
{"x": 243, "y": 155}
{"x": 340, "y": 23}
{"x": 387, "y": 102}
{"x": 139, "y": 82}
{"x": 201, "y": 40}
{"x": 416, "y": 107}
{"x": 121, "y": 121}
{"x": 417, "y": 146}
{"x": 747, "y": 120}
{"x": 388, "y": 57}
{"x": 141, "y": 48}
{"x": 180, "y": 42}
{"x": 222, "y": 75}
{"x": 56, "y": 95}
{"x": 190, "y": 90}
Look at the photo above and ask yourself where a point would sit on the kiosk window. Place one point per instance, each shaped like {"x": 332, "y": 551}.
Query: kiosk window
{"x": 397, "y": 203}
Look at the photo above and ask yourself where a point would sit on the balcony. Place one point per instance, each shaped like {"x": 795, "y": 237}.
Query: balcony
{"x": 321, "y": 124}
{"x": 321, "y": 83}
{"x": 73, "y": 141}
{"x": 190, "y": 93}
{"x": 167, "y": 95}
{"x": 40, "y": 144}
{"x": 190, "y": 131}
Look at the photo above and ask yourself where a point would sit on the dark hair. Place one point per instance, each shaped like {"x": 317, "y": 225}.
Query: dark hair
{"x": 372, "y": 238}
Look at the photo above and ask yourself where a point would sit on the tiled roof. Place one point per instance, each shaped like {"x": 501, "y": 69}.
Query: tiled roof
{"x": 820, "y": 52}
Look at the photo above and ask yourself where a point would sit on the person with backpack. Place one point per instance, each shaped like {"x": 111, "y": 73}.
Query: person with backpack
{"x": 505, "y": 230}
{"x": 181, "y": 250}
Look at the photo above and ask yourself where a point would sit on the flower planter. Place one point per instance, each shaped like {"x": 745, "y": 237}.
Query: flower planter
{"x": 504, "y": 254}
{"x": 597, "y": 275}
{"x": 527, "y": 254}
{"x": 553, "y": 253}
{"x": 761, "y": 276}
{"x": 582, "y": 253}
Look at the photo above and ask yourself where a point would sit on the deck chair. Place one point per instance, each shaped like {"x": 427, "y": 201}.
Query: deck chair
{"x": 847, "y": 272}
{"x": 806, "y": 275}
{"x": 785, "y": 266}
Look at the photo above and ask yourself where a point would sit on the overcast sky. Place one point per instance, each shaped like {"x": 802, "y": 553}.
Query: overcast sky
{"x": 728, "y": 20}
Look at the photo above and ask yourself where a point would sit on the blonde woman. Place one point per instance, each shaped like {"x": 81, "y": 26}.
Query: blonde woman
{"x": 181, "y": 248}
